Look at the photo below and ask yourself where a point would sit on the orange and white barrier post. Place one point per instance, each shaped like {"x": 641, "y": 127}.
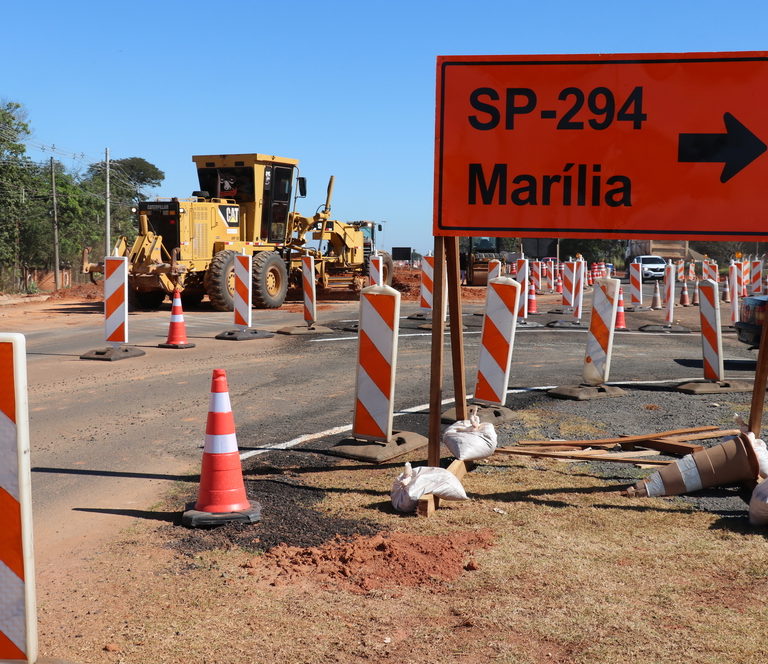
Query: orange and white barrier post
{"x": 308, "y": 287}
{"x": 497, "y": 340}
{"x": 116, "y": 300}
{"x": 18, "y": 605}
{"x": 177, "y": 329}
{"x": 635, "y": 285}
{"x": 243, "y": 295}
{"x": 597, "y": 361}
{"x": 522, "y": 278}
{"x": 494, "y": 269}
{"x": 692, "y": 271}
{"x": 680, "y": 265}
{"x": 669, "y": 293}
{"x": 744, "y": 278}
{"x": 579, "y": 274}
{"x": 711, "y": 332}
{"x": 734, "y": 281}
{"x": 427, "y": 283}
{"x": 376, "y": 363}
{"x": 375, "y": 270}
{"x": 756, "y": 277}
{"x": 536, "y": 274}
{"x": 709, "y": 270}
{"x": 569, "y": 268}
{"x": 221, "y": 496}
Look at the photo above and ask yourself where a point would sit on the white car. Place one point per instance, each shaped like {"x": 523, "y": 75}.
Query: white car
{"x": 652, "y": 266}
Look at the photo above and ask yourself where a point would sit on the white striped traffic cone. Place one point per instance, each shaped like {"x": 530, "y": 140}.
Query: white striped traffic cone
{"x": 221, "y": 497}
{"x": 685, "y": 301}
{"x": 731, "y": 462}
{"x": 621, "y": 321}
{"x": 177, "y": 330}
{"x": 656, "y": 301}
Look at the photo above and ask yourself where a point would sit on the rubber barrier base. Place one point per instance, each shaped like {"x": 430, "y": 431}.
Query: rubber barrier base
{"x": 193, "y": 518}
{"x": 402, "y": 442}
{"x": 244, "y": 335}
{"x": 113, "y": 353}
{"x": 586, "y": 392}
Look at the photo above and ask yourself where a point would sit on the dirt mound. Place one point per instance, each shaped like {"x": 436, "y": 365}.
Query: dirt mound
{"x": 86, "y": 291}
{"x": 362, "y": 564}
{"x": 408, "y": 282}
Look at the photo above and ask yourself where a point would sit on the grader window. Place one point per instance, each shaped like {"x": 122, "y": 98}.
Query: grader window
{"x": 234, "y": 183}
{"x": 163, "y": 220}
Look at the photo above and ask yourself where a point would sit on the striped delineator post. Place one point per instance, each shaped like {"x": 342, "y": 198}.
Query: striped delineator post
{"x": 497, "y": 340}
{"x": 116, "y": 300}
{"x": 744, "y": 278}
{"x": 18, "y": 606}
{"x": 243, "y": 291}
{"x": 427, "y": 283}
{"x": 734, "y": 283}
{"x": 376, "y": 363}
{"x": 680, "y": 265}
{"x": 635, "y": 284}
{"x": 569, "y": 267}
{"x": 669, "y": 293}
{"x": 756, "y": 277}
{"x": 375, "y": 271}
{"x": 709, "y": 270}
{"x": 522, "y": 279}
{"x": 536, "y": 274}
{"x": 308, "y": 288}
{"x": 579, "y": 274}
{"x": 494, "y": 269}
{"x": 711, "y": 332}
{"x": 597, "y": 361}
{"x": 692, "y": 271}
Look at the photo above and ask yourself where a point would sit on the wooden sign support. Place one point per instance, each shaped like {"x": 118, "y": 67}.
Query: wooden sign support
{"x": 445, "y": 246}
{"x": 758, "y": 391}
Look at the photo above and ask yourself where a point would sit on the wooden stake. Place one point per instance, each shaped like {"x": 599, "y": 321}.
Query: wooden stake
{"x": 436, "y": 376}
{"x": 758, "y": 390}
{"x": 621, "y": 439}
{"x": 457, "y": 323}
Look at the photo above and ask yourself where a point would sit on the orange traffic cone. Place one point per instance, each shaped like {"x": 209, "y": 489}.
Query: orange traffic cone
{"x": 731, "y": 462}
{"x": 685, "y": 301}
{"x": 727, "y": 290}
{"x": 656, "y": 301}
{"x": 532, "y": 308}
{"x": 621, "y": 323}
{"x": 221, "y": 497}
{"x": 558, "y": 284}
{"x": 177, "y": 330}
{"x": 695, "y": 302}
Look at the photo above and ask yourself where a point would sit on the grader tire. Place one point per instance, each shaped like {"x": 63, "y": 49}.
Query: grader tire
{"x": 269, "y": 278}
{"x": 220, "y": 281}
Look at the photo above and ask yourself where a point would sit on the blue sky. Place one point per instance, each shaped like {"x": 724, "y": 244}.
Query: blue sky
{"x": 346, "y": 87}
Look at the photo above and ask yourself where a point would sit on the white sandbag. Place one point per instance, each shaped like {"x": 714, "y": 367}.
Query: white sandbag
{"x": 470, "y": 439}
{"x": 413, "y": 483}
{"x": 758, "y": 505}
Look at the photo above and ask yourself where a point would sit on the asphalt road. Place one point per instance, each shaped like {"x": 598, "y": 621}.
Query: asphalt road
{"x": 108, "y": 438}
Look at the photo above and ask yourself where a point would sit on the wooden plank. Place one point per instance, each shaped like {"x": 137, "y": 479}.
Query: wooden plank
{"x": 672, "y": 446}
{"x": 758, "y": 390}
{"x": 436, "y": 375}
{"x": 428, "y": 503}
{"x": 456, "y": 327}
{"x": 622, "y": 439}
{"x": 580, "y": 456}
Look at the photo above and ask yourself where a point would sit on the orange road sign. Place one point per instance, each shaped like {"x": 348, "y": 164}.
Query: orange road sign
{"x": 602, "y": 146}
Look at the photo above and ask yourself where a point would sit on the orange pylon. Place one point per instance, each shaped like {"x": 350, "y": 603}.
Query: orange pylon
{"x": 656, "y": 301}
{"x": 685, "y": 301}
{"x": 177, "y": 330}
{"x": 727, "y": 290}
{"x": 559, "y": 283}
{"x": 695, "y": 302}
{"x": 221, "y": 497}
{"x": 532, "y": 308}
{"x": 621, "y": 322}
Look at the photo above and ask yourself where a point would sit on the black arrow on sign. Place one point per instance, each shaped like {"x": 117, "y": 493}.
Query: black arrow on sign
{"x": 736, "y": 148}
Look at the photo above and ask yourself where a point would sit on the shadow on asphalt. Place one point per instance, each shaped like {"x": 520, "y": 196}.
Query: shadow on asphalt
{"x": 116, "y": 473}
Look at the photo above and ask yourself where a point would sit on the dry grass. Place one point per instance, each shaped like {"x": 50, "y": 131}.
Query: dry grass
{"x": 577, "y": 574}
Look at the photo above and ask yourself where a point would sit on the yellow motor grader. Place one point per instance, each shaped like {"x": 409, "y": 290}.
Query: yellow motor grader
{"x": 243, "y": 206}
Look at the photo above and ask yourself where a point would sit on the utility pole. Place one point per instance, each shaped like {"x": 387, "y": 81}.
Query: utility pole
{"x": 56, "y": 275}
{"x": 107, "y": 217}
